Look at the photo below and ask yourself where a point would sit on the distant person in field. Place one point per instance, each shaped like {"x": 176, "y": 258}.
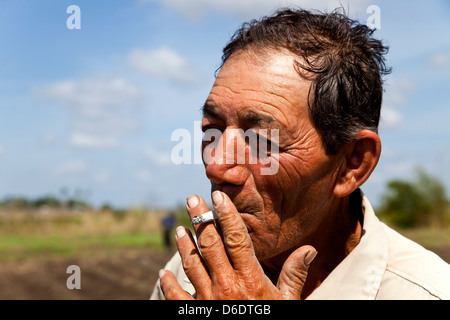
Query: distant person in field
{"x": 306, "y": 231}
{"x": 167, "y": 225}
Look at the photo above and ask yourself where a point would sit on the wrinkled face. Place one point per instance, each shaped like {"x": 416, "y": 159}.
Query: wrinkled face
{"x": 284, "y": 208}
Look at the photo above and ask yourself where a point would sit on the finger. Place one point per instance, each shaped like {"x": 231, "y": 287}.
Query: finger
{"x": 209, "y": 240}
{"x": 236, "y": 239}
{"x": 196, "y": 206}
{"x": 294, "y": 272}
{"x": 171, "y": 288}
{"x": 193, "y": 264}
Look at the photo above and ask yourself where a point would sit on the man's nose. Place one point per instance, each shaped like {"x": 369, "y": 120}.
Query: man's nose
{"x": 225, "y": 160}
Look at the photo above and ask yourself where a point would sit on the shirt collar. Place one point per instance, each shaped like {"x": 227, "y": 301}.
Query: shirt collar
{"x": 359, "y": 275}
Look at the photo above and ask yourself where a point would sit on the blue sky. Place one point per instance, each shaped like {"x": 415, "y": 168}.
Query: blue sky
{"x": 93, "y": 110}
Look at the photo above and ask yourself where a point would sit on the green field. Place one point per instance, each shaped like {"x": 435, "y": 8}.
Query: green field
{"x": 26, "y": 235}
{"x": 119, "y": 254}
{"x": 429, "y": 237}
{"x": 31, "y": 234}
{"x": 18, "y": 247}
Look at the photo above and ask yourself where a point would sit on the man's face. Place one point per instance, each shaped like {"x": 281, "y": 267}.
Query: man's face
{"x": 280, "y": 210}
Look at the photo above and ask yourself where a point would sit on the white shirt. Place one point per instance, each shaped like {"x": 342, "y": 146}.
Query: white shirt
{"x": 384, "y": 265}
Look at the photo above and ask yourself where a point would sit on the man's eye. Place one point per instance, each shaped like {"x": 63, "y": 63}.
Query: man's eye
{"x": 211, "y": 133}
{"x": 263, "y": 140}
{"x": 264, "y": 146}
{"x": 268, "y": 143}
{"x": 258, "y": 143}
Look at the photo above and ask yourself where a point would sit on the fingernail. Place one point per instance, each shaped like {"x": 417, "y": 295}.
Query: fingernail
{"x": 192, "y": 201}
{"x": 217, "y": 198}
{"x": 310, "y": 257}
{"x": 180, "y": 232}
{"x": 161, "y": 273}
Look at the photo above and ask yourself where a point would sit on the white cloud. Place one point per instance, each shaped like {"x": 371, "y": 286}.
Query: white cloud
{"x": 143, "y": 175}
{"x": 93, "y": 141}
{"x": 71, "y": 166}
{"x": 103, "y": 109}
{"x": 48, "y": 138}
{"x": 396, "y": 96}
{"x": 398, "y": 90}
{"x": 440, "y": 60}
{"x": 102, "y": 177}
{"x": 390, "y": 117}
{"x": 94, "y": 97}
{"x": 158, "y": 157}
{"x": 195, "y": 9}
{"x": 163, "y": 63}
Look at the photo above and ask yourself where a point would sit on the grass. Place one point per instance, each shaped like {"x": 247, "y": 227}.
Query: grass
{"x": 429, "y": 237}
{"x": 37, "y": 234}
{"x": 30, "y": 246}
{"x": 32, "y": 234}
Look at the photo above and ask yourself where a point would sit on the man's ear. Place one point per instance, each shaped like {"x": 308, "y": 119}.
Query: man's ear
{"x": 358, "y": 161}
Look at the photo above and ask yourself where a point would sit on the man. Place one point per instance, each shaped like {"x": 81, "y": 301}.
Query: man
{"x": 167, "y": 224}
{"x": 306, "y": 230}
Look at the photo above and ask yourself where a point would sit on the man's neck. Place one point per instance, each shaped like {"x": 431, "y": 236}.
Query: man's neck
{"x": 334, "y": 239}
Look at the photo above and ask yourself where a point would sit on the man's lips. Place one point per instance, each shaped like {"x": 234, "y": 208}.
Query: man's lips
{"x": 240, "y": 204}
{"x": 245, "y": 201}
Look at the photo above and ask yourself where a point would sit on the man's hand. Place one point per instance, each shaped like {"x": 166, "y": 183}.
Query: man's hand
{"x": 227, "y": 267}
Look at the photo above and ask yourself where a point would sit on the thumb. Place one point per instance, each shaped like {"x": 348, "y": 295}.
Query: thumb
{"x": 294, "y": 272}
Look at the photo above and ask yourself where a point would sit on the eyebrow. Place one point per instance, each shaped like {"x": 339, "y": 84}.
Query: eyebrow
{"x": 254, "y": 118}
{"x": 211, "y": 111}
{"x": 258, "y": 119}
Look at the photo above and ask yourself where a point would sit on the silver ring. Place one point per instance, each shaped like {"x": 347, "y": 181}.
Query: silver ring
{"x": 205, "y": 217}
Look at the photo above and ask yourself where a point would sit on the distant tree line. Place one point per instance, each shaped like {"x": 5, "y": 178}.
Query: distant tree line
{"x": 420, "y": 202}
{"x": 43, "y": 202}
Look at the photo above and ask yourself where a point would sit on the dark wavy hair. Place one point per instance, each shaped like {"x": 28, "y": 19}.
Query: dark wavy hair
{"x": 346, "y": 62}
